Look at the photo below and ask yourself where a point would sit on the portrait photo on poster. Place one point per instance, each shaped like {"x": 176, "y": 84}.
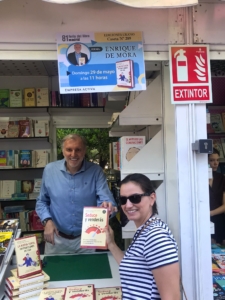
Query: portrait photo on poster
{"x": 78, "y": 54}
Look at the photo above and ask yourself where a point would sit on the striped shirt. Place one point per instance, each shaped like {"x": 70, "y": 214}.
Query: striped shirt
{"x": 153, "y": 248}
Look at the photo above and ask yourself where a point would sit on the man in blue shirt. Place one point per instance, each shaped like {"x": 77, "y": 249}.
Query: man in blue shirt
{"x": 68, "y": 186}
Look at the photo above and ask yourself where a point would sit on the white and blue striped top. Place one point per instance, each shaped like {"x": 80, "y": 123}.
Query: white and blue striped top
{"x": 153, "y": 248}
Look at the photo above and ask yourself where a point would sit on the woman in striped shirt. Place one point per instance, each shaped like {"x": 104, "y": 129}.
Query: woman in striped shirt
{"x": 149, "y": 269}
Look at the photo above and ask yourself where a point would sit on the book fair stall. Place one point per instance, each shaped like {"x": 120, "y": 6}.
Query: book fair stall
{"x": 157, "y": 83}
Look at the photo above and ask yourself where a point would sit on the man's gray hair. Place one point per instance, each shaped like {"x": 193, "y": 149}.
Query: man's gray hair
{"x": 74, "y": 137}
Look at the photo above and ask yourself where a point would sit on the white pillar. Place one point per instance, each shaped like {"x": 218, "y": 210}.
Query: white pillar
{"x": 193, "y": 190}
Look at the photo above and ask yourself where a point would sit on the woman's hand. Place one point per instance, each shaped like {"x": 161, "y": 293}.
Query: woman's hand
{"x": 112, "y": 246}
{"x": 50, "y": 230}
{"x": 109, "y": 237}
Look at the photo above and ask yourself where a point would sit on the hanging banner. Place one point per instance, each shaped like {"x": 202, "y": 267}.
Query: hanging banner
{"x": 101, "y": 62}
{"x": 190, "y": 74}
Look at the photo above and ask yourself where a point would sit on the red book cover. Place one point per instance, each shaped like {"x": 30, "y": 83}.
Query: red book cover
{"x": 27, "y": 256}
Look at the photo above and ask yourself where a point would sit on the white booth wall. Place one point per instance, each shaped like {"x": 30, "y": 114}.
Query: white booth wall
{"x": 30, "y": 30}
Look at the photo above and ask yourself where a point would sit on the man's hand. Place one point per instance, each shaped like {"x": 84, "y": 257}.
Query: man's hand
{"x": 109, "y": 206}
{"x": 50, "y": 230}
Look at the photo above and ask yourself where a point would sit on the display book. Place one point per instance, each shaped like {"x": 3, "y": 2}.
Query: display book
{"x": 88, "y": 292}
{"x": 27, "y": 256}
{"x": 95, "y": 219}
{"x": 218, "y": 272}
{"x": 8, "y": 231}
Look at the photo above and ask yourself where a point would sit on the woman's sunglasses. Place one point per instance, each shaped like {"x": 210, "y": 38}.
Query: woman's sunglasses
{"x": 135, "y": 198}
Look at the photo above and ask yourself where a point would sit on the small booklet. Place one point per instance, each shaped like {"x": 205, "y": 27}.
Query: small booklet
{"x": 28, "y": 256}
{"x": 108, "y": 293}
{"x": 95, "y": 219}
{"x": 80, "y": 292}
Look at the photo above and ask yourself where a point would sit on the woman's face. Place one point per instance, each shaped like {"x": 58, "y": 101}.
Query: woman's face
{"x": 214, "y": 161}
{"x": 140, "y": 212}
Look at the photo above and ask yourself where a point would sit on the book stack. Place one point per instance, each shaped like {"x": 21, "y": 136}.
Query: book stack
{"x": 28, "y": 279}
{"x": 22, "y": 288}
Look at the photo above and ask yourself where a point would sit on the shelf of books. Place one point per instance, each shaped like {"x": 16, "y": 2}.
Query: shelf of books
{"x": 43, "y": 97}
{"x": 145, "y": 109}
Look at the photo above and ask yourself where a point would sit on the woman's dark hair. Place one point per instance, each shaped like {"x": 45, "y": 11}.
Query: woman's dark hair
{"x": 144, "y": 182}
{"x": 215, "y": 151}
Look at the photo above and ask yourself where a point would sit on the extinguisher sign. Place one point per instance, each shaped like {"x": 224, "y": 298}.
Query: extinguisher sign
{"x": 190, "y": 75}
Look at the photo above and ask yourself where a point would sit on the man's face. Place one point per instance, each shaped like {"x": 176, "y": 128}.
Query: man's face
{"x": 77, "y": 48}
{"x": 74, "y": 152}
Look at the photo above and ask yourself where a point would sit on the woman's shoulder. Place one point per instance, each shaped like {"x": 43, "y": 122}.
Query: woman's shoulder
{"x": 158, "y": 228}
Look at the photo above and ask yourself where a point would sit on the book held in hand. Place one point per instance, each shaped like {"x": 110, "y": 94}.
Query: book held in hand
{"x": 108, "y": 293}
{"x": 27, "y": 256}
{"x": 95, "y": 219}
{"x": 80, "y": 292}
{"x": 125, "y": 73}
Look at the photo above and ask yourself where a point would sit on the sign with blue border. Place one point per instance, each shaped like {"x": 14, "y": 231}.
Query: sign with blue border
{"x": 101, "y": 62}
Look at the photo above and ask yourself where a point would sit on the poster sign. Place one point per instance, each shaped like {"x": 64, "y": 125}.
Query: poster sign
{"x": 101, "y": 62}
{"x": 190, "y": 75}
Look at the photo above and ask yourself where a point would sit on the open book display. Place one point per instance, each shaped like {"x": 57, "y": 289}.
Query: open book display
{"x": 28, "y": 256}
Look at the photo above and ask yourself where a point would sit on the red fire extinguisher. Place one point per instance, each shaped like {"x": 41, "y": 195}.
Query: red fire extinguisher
{"x": 181, "y": 65}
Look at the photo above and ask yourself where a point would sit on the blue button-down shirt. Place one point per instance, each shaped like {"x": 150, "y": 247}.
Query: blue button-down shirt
{"x": 63, "y": 195}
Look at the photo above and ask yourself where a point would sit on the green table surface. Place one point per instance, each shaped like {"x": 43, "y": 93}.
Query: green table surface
{"x": 77, "y": 267}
